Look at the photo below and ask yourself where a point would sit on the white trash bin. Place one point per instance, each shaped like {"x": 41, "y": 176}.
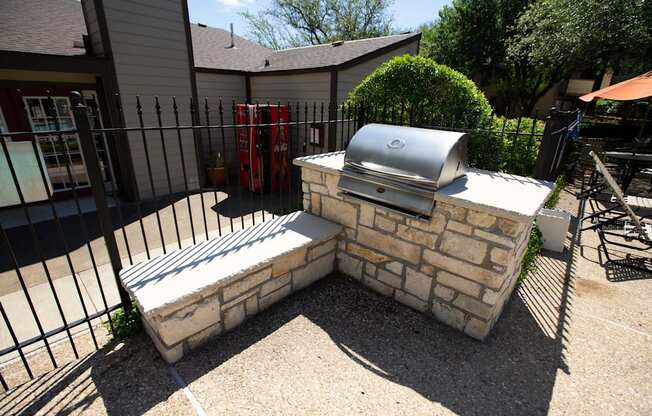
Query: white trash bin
{"x": 553, "y": 224}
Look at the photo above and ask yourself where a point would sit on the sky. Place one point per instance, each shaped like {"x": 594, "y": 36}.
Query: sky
{"x": 408, "y": 14}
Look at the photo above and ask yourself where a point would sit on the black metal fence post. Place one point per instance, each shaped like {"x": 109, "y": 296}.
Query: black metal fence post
{"x": 561, "y": 127}
{"x": 96, "y": 182}
{"x": 546, "y": 149}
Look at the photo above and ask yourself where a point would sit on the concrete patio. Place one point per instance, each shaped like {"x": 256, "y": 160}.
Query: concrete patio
{"x": 570, "y": 342}
{"x": 241, "y": 209}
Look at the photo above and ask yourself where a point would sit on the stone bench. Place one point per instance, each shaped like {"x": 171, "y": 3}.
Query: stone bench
{"x": 190, "y": 295}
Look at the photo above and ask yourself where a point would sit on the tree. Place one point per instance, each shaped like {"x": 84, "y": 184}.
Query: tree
{"x": 556, "y": 37}
{"x": 291, "y": 23}
{"x": 471, "y": 36}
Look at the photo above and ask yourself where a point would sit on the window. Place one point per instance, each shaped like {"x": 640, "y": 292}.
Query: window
{"x": 101, "y": 143}
{"x": 3, "y": 123}
{"x": 62, "y": 153}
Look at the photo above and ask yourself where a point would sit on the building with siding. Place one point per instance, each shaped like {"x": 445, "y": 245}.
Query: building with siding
{"x": 114, "y": 51}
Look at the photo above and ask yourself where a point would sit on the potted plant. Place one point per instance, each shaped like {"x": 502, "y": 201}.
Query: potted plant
{"x": 215, "y": 170}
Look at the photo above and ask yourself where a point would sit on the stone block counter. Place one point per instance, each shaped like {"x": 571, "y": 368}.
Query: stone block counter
{"x": 460, "y": 265}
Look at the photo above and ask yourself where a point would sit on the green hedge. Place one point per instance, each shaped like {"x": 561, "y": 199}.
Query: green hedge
{"x": 420, "y": 91}
{"x": 520, "y": 144}
{"x": 415, "y": 90}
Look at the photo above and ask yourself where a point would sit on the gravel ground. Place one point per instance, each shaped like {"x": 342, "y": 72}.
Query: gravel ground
{"x": 572, "y": 340}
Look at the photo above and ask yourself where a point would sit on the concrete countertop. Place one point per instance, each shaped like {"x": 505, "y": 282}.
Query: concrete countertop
{"x": 511, "y": 196}
{"x": 171, "y": 281}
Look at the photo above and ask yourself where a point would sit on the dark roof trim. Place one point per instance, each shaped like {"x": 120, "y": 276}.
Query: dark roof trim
{"x": 220, "y": 71}
{"x": 55, "y": 63}
{"x": 18, "y": 84}
{"x": 381, "y": 51}
{"x": 360, "y": 59}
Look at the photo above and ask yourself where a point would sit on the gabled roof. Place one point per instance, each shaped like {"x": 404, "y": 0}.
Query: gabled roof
{"x": 330, "y": 54}
{"x": 34, "y": 26}
{"x": 56, "y": 27}
{"x": 211, "y": 49}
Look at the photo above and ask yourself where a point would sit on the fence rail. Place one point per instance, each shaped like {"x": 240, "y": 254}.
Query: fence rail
{"x": 149, "y": 193}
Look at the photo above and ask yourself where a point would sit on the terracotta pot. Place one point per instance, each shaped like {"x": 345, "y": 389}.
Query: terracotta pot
{"x": 215, "y": 176}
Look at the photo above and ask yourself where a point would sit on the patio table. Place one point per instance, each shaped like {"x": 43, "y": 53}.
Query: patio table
{"x": 633, "y": 162}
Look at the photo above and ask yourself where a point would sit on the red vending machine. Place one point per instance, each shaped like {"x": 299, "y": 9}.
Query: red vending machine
{"x": 264, "y": 158}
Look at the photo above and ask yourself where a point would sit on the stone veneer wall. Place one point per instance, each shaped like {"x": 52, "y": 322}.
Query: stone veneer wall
{"x": 186, "y": 328}
{"x": 460, "y": 266}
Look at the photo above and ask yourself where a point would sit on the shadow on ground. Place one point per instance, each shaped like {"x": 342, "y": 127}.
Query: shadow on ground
{"x": 120, "y": 379}
{"x": 512, "y": 372}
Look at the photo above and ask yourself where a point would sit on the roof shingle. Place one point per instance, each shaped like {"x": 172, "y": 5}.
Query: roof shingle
{"x": 36, "y": 26}
{"x": 210, "y": 48}
{"x": 328, "y": 54}
{"x": 55, "y": 26}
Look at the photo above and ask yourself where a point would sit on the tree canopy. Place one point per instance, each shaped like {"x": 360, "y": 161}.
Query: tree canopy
{"x": 566, "y": 34}
{"x": 470, "y": 36}
{"x": 519, "y": 49}
{"x": 291, "y": 23}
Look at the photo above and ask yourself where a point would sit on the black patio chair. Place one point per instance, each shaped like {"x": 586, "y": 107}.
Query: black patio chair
{"x": 626, "y": 229}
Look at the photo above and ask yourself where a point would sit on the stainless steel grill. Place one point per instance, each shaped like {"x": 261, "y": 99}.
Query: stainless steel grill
{"x": 402, "y": 167}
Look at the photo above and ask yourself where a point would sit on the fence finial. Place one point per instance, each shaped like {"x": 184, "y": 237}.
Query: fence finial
{"x": 76, "y": 99}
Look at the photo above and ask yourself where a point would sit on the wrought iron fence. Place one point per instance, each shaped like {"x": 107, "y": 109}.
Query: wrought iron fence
{"x": 160, "y": 197}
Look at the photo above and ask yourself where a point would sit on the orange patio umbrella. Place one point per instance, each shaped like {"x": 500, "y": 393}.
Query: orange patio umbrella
{"x": 631, "y": 89}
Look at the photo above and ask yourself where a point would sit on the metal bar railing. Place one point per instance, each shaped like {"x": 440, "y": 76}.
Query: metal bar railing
{"x": 210, "y": 152}
{"x": 308, "y": 129}
{"x": 150, "y": 176}
{"x": 168, "y": 177}
{"x": 197, "y": 141}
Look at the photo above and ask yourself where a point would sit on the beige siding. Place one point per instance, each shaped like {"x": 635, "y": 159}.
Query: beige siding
{"x": 542, "y": 107}
{"x": 148, "y": 41}
{"x": 228, "y": 88}
{"x": 349, "y": 78}
{"x": 310, "y": 87}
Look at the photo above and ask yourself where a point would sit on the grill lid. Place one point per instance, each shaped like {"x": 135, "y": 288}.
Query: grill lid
{"x": 402, "y": 166}
{"x": 425, "y": 157}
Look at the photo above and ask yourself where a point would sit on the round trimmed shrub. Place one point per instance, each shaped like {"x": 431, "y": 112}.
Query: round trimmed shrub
{"x": 417, "y": 91}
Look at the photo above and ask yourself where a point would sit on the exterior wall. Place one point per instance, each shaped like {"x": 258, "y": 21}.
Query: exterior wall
{"x": 311, "y": 88}
{"x": 186, "y": 328}
{"x": 47, "y": 76}
{"x": 228, "y": 88}
{"x": 577, "y": 87}
{"x": 542, "y": 107}
{"x": 460, "y": 266}
{"x": 348, "y": 79}
{"x": 151, "y": 58}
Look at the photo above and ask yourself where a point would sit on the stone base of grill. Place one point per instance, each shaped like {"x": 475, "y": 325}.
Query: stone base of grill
{"x": 460, "y": 266}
